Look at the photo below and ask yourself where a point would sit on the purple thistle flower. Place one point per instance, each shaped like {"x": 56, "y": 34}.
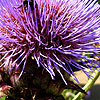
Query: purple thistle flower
{"x": 58, "y": 34}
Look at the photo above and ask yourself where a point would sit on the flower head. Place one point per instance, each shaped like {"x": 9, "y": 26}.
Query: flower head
{"x": 58, "y": 34}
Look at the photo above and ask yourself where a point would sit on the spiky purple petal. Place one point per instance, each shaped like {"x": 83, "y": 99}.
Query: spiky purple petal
{"x": 55, "y": 33}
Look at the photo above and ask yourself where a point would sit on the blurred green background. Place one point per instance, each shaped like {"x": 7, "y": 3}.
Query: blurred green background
{"x": 2, "y": 98}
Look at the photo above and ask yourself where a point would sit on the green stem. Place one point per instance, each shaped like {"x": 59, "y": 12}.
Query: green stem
{"x": 87, "y": 87}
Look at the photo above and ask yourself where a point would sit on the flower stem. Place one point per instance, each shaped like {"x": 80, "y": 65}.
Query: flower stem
{"x": 87, "y": 87}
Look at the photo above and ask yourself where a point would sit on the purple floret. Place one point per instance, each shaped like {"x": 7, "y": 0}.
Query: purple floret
{"x": 58, "y": 34}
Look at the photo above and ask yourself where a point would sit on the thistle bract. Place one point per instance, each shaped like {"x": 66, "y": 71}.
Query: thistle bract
{"x": 58, "y": 34}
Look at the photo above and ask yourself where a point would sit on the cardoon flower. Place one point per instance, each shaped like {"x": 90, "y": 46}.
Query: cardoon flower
{"x": 58, "y": 34}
